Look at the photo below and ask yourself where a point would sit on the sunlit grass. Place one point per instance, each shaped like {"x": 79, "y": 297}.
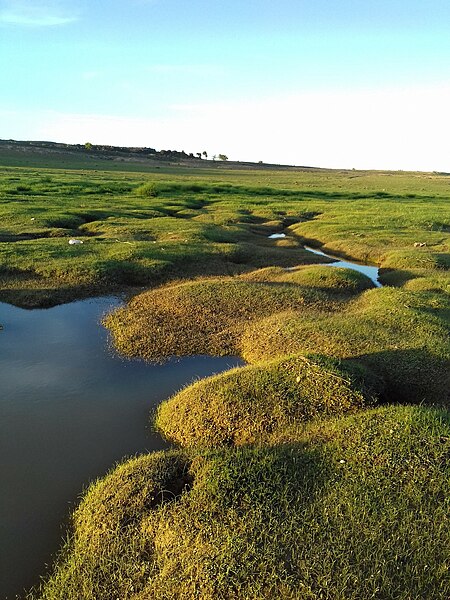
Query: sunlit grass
{"x": 343, "y": 509}
{"x": 289, "y": 485}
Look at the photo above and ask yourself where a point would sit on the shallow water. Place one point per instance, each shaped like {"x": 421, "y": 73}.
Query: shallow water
{"x": 369, "y": 271}
{"x": 69, "y": 408}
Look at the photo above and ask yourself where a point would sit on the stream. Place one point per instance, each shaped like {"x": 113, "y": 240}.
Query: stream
{"x": 368, "y": 270}
{"x": 69, "y": 409}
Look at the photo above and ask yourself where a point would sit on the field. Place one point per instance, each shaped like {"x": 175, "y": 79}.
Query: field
{"x": 319, "y": 470}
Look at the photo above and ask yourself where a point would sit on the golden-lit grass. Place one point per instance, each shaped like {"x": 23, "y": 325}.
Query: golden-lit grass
{"x": 246, "y": 405}
{"x": 288, "y": 486}
{"x": 401, "y": 335}
{"x": 344, "y": 509}
{"x": 203, "y": 317}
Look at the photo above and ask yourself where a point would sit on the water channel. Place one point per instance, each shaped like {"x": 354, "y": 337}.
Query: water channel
{"x": 368, "y": 270}
{"x": 69, "y": 409}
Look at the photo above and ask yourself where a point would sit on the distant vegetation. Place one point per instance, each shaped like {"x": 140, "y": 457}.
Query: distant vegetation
{"x": 101, "y": 149}
{"x": 319, "y": 471}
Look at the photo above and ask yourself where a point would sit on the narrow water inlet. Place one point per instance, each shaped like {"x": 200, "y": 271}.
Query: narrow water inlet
{"x": 69, "y": 409}
{"x": 368, "y": 270}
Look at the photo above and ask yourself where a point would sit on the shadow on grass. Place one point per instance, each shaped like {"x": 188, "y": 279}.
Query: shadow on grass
{"x": 413, "y": 376}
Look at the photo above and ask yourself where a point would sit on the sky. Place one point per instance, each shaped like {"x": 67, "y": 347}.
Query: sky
{"x": 326, "y": 83}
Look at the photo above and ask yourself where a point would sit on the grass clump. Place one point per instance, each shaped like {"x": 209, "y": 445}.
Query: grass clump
{"x": 336, "y": 280}
{"x": 202, "y": 317}
{"x": 341, "y": 510}
{"x": 401, "y": 335}
{"x": 245, "y": 405}
{"x": 148, "y": 190}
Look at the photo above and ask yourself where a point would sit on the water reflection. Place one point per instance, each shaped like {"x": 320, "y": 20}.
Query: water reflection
{"x": 369, "y": 271}
{"x": 69, "y": 408}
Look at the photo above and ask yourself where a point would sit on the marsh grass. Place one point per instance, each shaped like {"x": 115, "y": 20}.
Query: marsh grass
{"x": 341, "y": 509}
{"x": 301, "y": 490}
{"x": 203, "y": 317}
{"x": 177, "y": 222}
{"x": 401, "y": 335}
{"x": 246, "y": 405}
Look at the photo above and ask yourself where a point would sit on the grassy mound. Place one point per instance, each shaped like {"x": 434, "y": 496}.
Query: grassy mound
{"x": 202, "y": 317}
{"x": 401, "y": 335}
{"x": 247, "y": 404}
{"x": 335, "y": 279}
{"x": 346, "y": 509}
{"x": 430, "y": 283}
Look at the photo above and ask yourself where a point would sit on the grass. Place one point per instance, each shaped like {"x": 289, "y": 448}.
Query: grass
{"x": 202, "y": 317}
{"x": 144, "y": 228}
{"x": 401, "y": 335}
{"x": 343, "y": 509}
{"x": 245, "y": 405}
{"x": 307, "y": 473}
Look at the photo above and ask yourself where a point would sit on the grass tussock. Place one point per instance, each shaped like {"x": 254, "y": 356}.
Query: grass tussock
{"x": 402, "y": 336}
{"x": 336, "y": 280}
{"x": 202, "y": 317}
{"x": 246, "y": 405}
{"x": 340, "y": 510}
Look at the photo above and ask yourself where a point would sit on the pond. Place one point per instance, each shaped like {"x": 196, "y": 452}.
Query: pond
{"x": 69, "y": 409}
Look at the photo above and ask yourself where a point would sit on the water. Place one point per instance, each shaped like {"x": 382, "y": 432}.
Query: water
{"x": 69, "y": 408}
{"x": 371, "y": 272}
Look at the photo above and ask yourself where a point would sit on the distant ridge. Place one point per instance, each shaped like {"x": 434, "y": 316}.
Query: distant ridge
{"x": 58, "y": 154}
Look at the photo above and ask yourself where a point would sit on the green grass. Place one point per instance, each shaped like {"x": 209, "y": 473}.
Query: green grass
{"x": 246, "y": 405}
{"x": 342, "y": 510}
{"x": 287, "y": 483}
{"x": 401, "y": 335}
{"x": 144, "y": 228}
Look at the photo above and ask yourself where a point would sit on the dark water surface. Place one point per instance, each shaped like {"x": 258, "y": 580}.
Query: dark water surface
{"x": 368, "y": 270}
{"x": 69, "y": 408}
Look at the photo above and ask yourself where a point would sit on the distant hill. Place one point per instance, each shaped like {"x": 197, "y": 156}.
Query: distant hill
{"x": 92, "y": 156}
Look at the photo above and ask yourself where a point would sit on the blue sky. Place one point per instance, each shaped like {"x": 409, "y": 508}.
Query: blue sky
{"x": 338, "y": 83}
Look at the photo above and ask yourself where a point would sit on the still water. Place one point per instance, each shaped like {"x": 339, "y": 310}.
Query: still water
{"x": 69, "y": 408}
{"x": 369, "y": 271}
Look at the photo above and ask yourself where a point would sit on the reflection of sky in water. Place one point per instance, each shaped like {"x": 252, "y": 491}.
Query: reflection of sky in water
{"x": 69, "y": 408}
{"x": 371, "y": 272}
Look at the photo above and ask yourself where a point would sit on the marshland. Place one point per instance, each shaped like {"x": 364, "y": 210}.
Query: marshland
{"x": 316, "y": 470}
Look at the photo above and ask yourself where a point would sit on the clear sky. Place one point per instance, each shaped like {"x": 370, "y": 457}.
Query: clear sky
{"x": 332, "y": 83}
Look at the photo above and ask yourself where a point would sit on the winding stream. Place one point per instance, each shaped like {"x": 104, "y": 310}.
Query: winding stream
{"x": 368, "y": 270}
{"x": 69, "y": 409}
